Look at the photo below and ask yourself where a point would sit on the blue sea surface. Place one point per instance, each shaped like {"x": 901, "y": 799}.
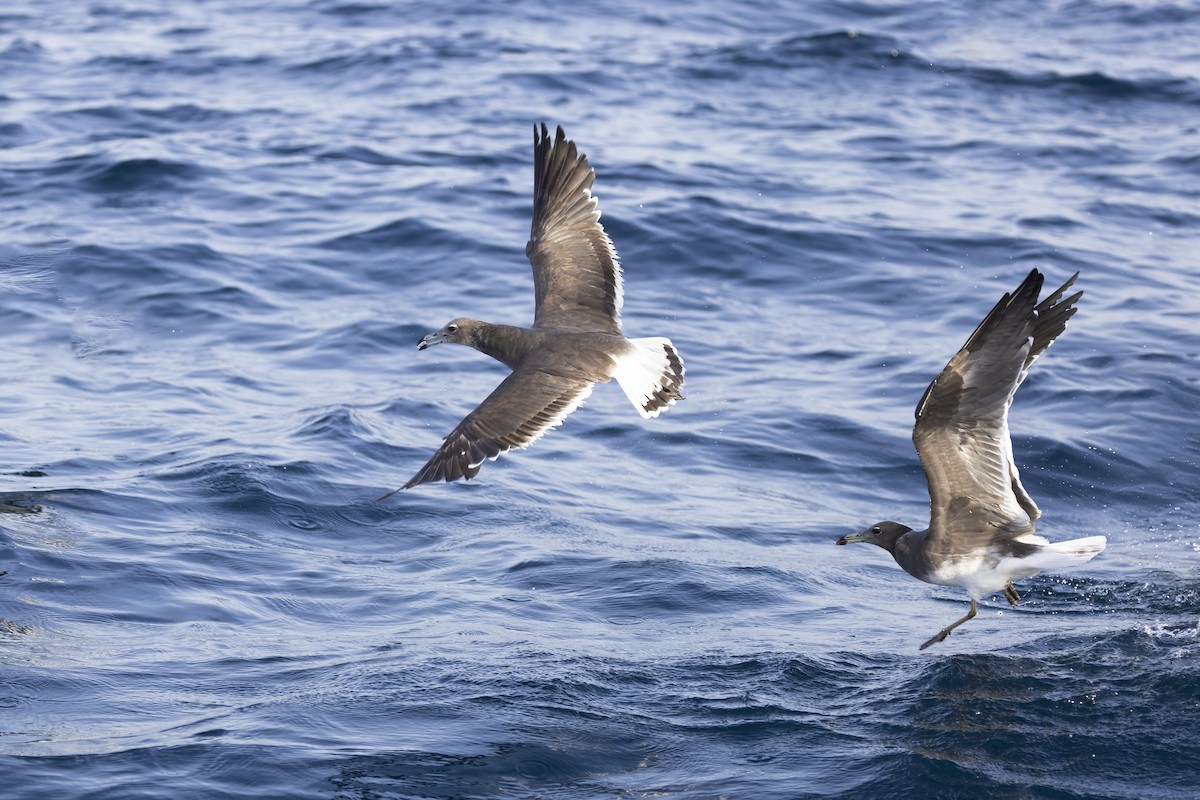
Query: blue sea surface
{"x": 226, "y": 224}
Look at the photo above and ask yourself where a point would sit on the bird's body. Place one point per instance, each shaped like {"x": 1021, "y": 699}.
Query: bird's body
{"x": 576, "y": 339}
{"x": 981, "y": 535}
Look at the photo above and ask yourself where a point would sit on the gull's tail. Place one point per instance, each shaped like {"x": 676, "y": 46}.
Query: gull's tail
{"x": 1062, "y": 555}
{"x": 650, "y": 374}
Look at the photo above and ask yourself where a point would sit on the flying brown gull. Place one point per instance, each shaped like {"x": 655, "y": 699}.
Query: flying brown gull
{"x": 576, "y": 338}
{"x": 981, "y": 529}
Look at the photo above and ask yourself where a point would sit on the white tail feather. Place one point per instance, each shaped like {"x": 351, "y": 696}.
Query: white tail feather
{"x": 650, "y": 374}
{"x": 1060, "y": 555}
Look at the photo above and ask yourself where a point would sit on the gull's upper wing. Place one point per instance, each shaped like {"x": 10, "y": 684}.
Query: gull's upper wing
{"x": 961, "y": 433}
{"x": 576, "y": 275}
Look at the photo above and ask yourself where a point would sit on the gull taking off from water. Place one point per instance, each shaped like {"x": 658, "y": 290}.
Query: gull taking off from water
{"x": 981, "y": 528}
{"x": 576, "y": 338}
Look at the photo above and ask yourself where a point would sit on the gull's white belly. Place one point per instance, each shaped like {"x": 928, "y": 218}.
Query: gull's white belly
{"x": 982, "y": 573}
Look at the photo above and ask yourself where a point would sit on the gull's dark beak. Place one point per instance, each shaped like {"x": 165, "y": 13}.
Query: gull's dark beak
{"x": 430, "y": 340}
{"x": 851, "y": 538}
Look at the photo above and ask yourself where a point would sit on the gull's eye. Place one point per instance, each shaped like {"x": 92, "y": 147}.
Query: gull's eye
{"x": 876, "y": 529}
{"x": 451, "y": 328}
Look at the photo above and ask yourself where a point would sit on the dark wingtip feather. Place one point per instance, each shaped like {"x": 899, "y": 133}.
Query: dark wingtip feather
{"x": 1050, "y": 315}
{"x": 1053, "y": 313}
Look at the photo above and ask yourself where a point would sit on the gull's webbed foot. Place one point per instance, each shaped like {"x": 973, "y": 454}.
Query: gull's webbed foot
{"x": 944, "y": 632}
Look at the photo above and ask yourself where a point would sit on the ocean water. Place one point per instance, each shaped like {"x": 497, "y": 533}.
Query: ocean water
{"x": 226, "y": 224}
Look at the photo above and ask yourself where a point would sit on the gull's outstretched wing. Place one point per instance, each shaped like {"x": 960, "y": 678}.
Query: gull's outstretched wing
{"x": 576, "y": 275}
{"x": 523, "y": 407}
{"x": 961, "y": 433}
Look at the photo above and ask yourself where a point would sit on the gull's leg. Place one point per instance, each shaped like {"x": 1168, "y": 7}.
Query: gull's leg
{"x": 1011, "y": 595}
{"x": 946, "y": 631}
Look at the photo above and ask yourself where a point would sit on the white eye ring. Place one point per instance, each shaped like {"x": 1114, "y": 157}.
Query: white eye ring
{"x": 876, "y": 529}
{"x": 451, "y": 328}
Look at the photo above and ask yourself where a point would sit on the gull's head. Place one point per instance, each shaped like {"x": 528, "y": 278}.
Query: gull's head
{"x": 457, "y": 331}
{"x": 883, "y": 534}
